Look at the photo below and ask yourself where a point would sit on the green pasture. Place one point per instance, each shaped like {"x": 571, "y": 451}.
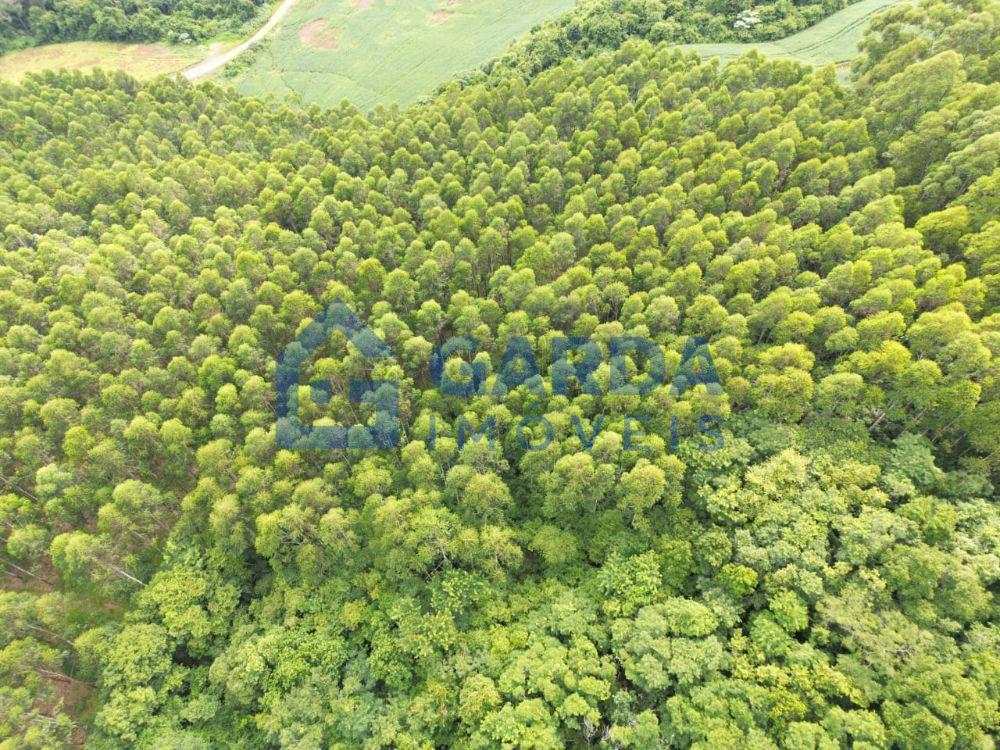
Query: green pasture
{"x": 372, "y": 51}
{"x": 140, "y": 60}
{"x": 832, "y": 41}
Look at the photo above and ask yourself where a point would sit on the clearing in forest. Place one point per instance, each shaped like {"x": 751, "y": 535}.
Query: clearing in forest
{"x": 318, "y": 34}
{"x": 386, "y": 50}
{"x": 140, "y": 60}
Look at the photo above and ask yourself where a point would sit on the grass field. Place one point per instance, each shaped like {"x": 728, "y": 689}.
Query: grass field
{"x": 139, "y": 60}
{"x": 832, "y": 41}
{"x": 372, "y": 51}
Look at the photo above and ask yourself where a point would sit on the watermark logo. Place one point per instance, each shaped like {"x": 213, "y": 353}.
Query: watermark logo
{"x": 574, "y": 367}
{"x": 383, "y": 432}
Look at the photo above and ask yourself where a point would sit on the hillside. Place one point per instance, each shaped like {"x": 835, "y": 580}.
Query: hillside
{"x": 641, "y": 403}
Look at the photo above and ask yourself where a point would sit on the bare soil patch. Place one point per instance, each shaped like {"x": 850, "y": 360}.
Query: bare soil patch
{"x": 445, "y": 13}
{"x": 363, "y": 4}
{"x": 440, "y": 17}
{"x": 318, "y": 34}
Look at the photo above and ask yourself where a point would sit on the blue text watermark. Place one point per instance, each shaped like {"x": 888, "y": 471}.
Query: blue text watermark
{"x": 575, "y": 367}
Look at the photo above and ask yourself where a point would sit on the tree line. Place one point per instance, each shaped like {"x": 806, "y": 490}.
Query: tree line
{"x": 26, "y": 23}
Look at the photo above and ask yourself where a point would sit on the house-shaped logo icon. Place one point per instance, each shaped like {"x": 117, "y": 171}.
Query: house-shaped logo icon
{"x": 383, "y": 429}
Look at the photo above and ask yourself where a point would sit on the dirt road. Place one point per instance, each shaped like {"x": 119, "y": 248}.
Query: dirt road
{"x": 212, "y": 63}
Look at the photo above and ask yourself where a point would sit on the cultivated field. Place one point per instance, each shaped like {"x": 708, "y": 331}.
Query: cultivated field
{"x": 833, "y": 40}
{"x": 372, "y": 51}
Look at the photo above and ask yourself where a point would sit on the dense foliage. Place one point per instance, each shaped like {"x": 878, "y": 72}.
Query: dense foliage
{"x": 598, "y": 25}
{"x": 25, "y": 23}
{"x": 825, "y": 579}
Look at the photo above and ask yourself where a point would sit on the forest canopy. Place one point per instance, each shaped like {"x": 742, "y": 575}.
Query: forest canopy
{"x": 824, "y": 577}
